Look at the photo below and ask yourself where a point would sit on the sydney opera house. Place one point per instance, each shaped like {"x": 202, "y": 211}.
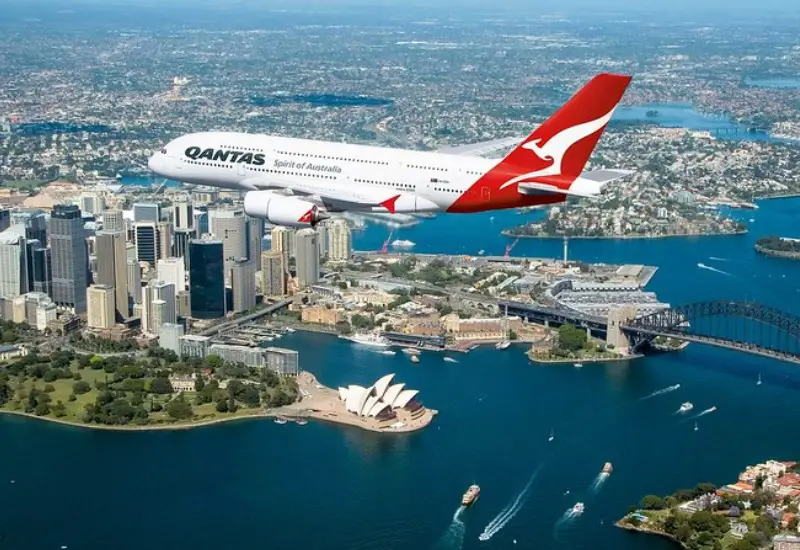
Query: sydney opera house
{"x": 382, "y": 400}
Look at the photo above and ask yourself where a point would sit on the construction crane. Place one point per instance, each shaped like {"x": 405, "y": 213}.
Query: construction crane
{"x": 510, "y": 247}
{"x": 385, "y": 247}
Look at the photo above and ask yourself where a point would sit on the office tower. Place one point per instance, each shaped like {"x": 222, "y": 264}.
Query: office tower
{"x": 134, "y": 282}
{"x": 273, "y": 273}
{"x": 229, "y": 226}
{"x": 91, "y": 204}
{"x": 41, "y": 310}
{"x": 112, "y": 269}
{"x": 158, "y": 306}
{"x": 340, "y": 241}
{"x": 183, "y": 305}
{"x": 255, "y": 232}
{"x": 146, "y": 212}
{"x": 307, "y": 260}
{"x": 169, "y": 337}
{"x": 183, "y": 215}
{"x": 244, "y": 286}
{"x": 206, "y": 279}
{"x": 283, "y": 240}
{"x": 100, "y": 300}
{"x": 181, "y": 242}
{"x": 5, "y": 219}
{"x": 35, "y": 222}
{"x": 13, "y": 264}
{"x": 200, "y": 222}
{"x": 164, "y": 240}
{"x": 69, "y": 257}
{"x": 172, "y": 270}
{"x": 146, "y": 238}
{"x": 113, "y": 220}
{"x": 40, "y": 278}
{"x": 323, "y": 231}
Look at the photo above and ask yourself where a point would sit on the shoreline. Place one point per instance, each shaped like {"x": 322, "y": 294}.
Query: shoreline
{"x": 155, "y": 427}
{"x": 508, "y": 233}
{"x": 646, "y": 531}
{"x": 784, "y": 254}
{"x": 617, "y": 359}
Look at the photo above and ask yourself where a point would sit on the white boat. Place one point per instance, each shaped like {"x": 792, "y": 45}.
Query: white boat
{"x": 388, "y": 352}
{"x": 712, "y": 409}
{"x": 577, "y": 509}
{"x": 552, "y": 436}
{"x": 301, "y": 421}
{"x": 450, "y": 360}
{"x": 280, "y": 420}
{"x": 368, "y": 339}
{"x": 695, "y": 427}
{"x": 415, "y": 358}
{"x": 483, "y": 537}
{"x": 290, "y": 330}
{"x": 403, "y": 243}
{"x": 577, "y": 365}
{"x": 759, "y": 379}
{"x": 503, "y": 344}
{"x": 686, "y": 407}
{"x": 410, "y": 351}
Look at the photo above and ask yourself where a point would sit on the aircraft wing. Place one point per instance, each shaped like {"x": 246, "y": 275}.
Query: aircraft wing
{"x": 337, "y": 197}
{"x": 588, "y": 184}
{"x": 482, "y": 149}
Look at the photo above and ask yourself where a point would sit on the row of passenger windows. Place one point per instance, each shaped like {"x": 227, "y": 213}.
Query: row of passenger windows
{"x": 386, "y": 183}
{"x": 217, "y": 164}
{"x": 287, "y": 173}
{"x": 362, "y": 161}
{"x": 426, "y": 167}
{"x": 445, "y": 189}
{"x": 237, "y": 148}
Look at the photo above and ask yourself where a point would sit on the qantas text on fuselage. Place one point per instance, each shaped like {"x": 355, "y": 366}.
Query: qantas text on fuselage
{"x": 294, "y": 181}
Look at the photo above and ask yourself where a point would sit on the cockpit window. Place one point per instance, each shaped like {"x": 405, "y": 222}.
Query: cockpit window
{"x": 163, "y": 151}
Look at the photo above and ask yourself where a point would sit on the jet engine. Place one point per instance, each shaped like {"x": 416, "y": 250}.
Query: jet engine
{"x": 282, "y": 210}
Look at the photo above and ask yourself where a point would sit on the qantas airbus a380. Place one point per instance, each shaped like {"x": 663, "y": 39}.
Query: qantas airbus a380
{"x": 295, "y": 182}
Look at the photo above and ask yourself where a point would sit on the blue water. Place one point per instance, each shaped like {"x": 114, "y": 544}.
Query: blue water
{"x": 255, "y": 484}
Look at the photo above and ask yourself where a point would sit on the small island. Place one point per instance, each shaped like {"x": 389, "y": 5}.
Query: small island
{"x": 758, "y": 510}
{"x": 779, "y": 247}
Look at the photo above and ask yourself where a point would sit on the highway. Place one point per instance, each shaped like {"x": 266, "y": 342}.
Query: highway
{"x": 247, "y": 318}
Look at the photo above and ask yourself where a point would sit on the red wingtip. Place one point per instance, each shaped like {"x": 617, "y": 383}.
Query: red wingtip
{"x": 389, "y": 204}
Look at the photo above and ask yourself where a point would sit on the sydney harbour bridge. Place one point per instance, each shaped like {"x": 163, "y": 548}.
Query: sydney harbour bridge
{"x": 738, "y": 325}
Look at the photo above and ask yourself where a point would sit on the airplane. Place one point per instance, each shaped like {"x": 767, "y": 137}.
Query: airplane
{"x": 298, "y": 182}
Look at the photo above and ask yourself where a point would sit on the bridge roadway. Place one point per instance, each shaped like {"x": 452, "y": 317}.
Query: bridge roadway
{"x": 222, "y": 327}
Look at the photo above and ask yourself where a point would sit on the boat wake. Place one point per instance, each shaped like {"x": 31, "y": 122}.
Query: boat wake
{"x": 714, "y": 269}
{"x": 598, "y": 482}
{"x": 705, "y": 412}
{"x": 716, "y": 259}
{"x": 453, "y": 537}
{"x": 662, "y": 391}
{"x": 508, "y": 513}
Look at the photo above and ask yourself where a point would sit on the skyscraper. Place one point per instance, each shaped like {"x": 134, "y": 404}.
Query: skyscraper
{"x": 244, "y": 286}
{"x": 273, "y": 273}
{"x": 13, "y": 264}
{"x": 134, "y": 282}
{"x": 307, "y": 257}
{"x": 146, "y": 212}
{"x": 183, "y": 215}
{"x": 158, "y": 306}
{"x": 5, "y": 219}
{"x": 255, "y": 231}
{"x": 339, "y": 238}
{"x": 112, "y": 268}
{"x": 229, "y": 226}
{"x": 91, "y": 204}
{"x": 206, "y": 279}
{"x": 35, "y": 222}
{"x": 113, "y": 220}
{"x": 147, "y": 243}
{"x": 100, "y": 300}
{"x": 323, "y": 232}
{"x": 69, "y": 257}
{"x": 164, "y": 240}
{"x": 181, "y": 242}
{"x": 283, "y": 240}
{"x": 172, "y": 270}
{"x": 40, "y": 278}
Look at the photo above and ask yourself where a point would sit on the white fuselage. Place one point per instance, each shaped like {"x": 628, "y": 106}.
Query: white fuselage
{"x": 308, "y": 165}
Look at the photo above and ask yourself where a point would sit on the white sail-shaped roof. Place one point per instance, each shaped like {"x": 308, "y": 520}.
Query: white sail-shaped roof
{"x": 364, "y": 397}
{"x": 354, "y": 395}
{"x": 392, "y": 393}
{"x": 368, "y": 405}
{"x": 343, "y": 393}
{"x": 378, "y": 408}
{"x": 404, "y": 398}
{"x": 382, "y": 384}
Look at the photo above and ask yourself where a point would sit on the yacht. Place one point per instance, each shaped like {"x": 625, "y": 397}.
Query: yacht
{"x": 577, "y": 365}
{"x": 389, "y": 352}
{"x": 577, "y": 509}
{"x": 450, "y": 360}
{"x": 552, "y": 436}
{"x": 301, "y": 421}
{"x": 607, "y": 468}
{"x": 503, "y": 344}
{"x": 280, "y": 420}
{"x": 759, "y": 379}
{"x": 695, "y": 427}
{"x": 368, "y": 339}
{"x": 686, "y": 407}
{"x": 415, "y": 358}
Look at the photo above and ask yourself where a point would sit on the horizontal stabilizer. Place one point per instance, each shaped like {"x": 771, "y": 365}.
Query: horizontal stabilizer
{"x": 588, "y": 184}
{"x": 605, "y": 176}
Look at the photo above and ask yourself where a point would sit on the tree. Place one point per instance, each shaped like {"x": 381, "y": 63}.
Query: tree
{"x": 652, "y": 502}
{"x": 80, "y": 387}
{"x": 571, "y": 338}
{"x": 5, "y": 393}
{"x": 161, "y": 386}
{"x": 250, "y": 397}
{"x": 42, "y": 409}
{"x": 179, "y": 409}
{"x": 222, "y": 406}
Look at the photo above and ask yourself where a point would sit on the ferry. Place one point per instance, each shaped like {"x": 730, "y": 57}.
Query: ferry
{"x": 607, "y": 468}
{"x": 368, "y": 339}
{"x": 471, "y": 495}
{"x": 577, "y": 509}
{"x": 686, "y": 407}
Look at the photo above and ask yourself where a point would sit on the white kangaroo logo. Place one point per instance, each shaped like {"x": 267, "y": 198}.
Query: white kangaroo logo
{"x": 557, "y": 146}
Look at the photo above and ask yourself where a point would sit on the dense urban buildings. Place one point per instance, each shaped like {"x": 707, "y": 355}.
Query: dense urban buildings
{"x": 307, "y": 243}
{"x": 206, "y": 282}
{"x": 112, "y": 268}
{"x": 70, "y": 263}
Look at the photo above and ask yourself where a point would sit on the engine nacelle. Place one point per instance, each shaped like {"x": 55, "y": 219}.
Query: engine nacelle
{"x": 282, "y": 210}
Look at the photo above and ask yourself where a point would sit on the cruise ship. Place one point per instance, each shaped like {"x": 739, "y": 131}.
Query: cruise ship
{"x": 368, "y": 339}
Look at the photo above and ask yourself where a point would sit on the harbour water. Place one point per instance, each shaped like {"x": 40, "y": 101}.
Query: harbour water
{"x": 256, "y": 484}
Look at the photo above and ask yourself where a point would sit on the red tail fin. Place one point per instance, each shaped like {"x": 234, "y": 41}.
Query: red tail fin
{"x": 555, "y": 152}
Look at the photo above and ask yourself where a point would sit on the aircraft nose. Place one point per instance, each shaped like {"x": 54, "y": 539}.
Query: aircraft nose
{"x": 155, "y": 163}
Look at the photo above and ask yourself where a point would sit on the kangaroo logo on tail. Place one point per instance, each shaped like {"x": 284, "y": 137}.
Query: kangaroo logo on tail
{"x": 555, "y": 148}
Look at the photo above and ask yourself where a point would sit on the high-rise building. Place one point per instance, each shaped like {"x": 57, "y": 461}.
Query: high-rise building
{"x": 158, "y": 306}
{"x": 13, "y": 264}
{"x": 134, "y": 282}
{"x": 35, "y": 222}
{"x": 229, "y": 226}
{"x": 113, "y": 220}
{"x": 183, "y": 305}
{"x": 201, "y": 222}
{"x": 69, "y": 257}
{"x": 273, "y": 273}
{"x": 183, "y": 215}
{"x": 283, "y": 240}
{"x": 244, "y": 286}
{"x": 255, "y": 232}
{"x": 180, "y": 245}
{"x": 206, "y": 279}
{"x": 112, "y": 269}
{"x": 323, "y": 230}
{"x": 170, "y": 337}
{"x": 91, "y": 204}
{"x": 147, "y": 243}
{"x": 340, "y": 246}
{"x": 100, "y": 299}
{"x": 146, "y": 212}
{"x": 307, "y": 260}
{"x": 40, "y": 278}
{"x": 5, "y": 219}
{"x": 164, "y": 240}
{"x": 172, "y": 270}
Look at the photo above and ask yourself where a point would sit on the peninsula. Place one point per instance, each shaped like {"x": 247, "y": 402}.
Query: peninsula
{"x": 760, "y": 508}
{"x": 779, "y": 247}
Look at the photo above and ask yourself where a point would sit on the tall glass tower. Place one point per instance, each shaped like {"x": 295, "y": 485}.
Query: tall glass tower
{"x": 206, "y": 279}
{"x": 69, "y": 257}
